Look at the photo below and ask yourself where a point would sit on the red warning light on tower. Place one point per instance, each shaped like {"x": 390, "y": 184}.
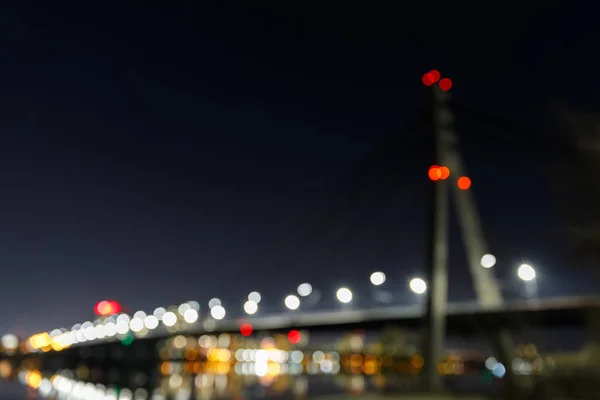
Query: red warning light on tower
{"x": 434, "y": 173}
{"x": 444, "y": 172}
{"x": 294, "y": 337}
{"x": 464, "y": 183}
{"x": 434, "y": 76}
{"x": 105, "y": 308}
{"x": 438, "y": 173}
{"x": 430, "y": 77}
{"x": 445, "y": 84}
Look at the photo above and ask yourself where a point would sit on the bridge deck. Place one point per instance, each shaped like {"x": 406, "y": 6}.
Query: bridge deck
{"x": 462, "y": 317}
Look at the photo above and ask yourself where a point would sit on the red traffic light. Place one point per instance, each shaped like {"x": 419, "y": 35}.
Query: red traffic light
{"x": 107, "y": 307}
{"x": 246, "y": 329}
{"x": 294, "y": 337}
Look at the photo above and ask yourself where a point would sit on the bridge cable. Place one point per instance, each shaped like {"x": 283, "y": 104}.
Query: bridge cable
{"x": 306, "y": 228}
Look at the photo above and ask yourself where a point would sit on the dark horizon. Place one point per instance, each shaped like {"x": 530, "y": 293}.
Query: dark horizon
{"x": 157, "y": 155}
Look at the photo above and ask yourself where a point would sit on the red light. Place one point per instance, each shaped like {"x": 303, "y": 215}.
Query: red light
{"x": 434, "y": 173}
{"x": 445, "y": 84}
{"x": 115, "y": 307}
{"x": 464, "y": 183}
{"x": 428, "y": 79}
{"x": 444, "y": 172}
{"x": 294, "y": 337}
{"x": 246, "y": 329}
{"x": 107, "y": 307}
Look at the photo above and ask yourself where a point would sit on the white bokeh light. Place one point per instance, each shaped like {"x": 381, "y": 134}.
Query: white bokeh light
{"x": 159, "y": 312}
{"x": 250, "y": 307}
{"x": 344, "y": 295}
{"x": 526, "y": 272}
{"x": 136, "y": 324}
{"x": 255, "y": 297}
{"x": 218, "y": 312}
{"x": 169, "y": 318}
{"x": 292, "y": 302}
{"x": 377, "y": 278}
{"x": 488, "y": 261}
{"x": 190, "y": 316}
{"x": 183, "y": 308}
{"x": 10, "y": 342}
{"x": 305, "y": 289}
{"x": 214, "y": 302}
{"x": 418, "y": 285}
{"x": 151, "y": 322}
{"x": 121, "y": 326}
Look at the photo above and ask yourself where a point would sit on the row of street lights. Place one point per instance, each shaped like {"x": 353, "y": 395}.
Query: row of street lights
{"x": 189, "y": 311}
{"x": 344, "y": 295}
{"x": 525, "y": 272}
{"x": 418, "y": 286}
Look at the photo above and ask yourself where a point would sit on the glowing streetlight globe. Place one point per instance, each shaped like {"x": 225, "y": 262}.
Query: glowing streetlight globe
{"x": 344, "y": 295}
{"x": 169, "y": 319}
{"x": 488, "y": 261}
{"x": 217, "y": 312}
{"x": 214, "y": 302}
{"x": 418, "y": 285}
{"x": 526, "y": 272}
{"x": 190, "y": 316}
{"x": 377, "y": 278}
{"x": 292, "y": 302}
{"x": 250, "y": 307}
{"x": 255, "y": 297}
{"x": 305, "y": 289}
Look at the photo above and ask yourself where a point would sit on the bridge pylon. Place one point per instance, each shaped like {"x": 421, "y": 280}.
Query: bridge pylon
{"x": 446, "y": 152}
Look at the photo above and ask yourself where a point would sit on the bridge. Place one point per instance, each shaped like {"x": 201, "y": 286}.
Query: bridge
{"x": 490, "y": 316}
{"x": 127, "y": 357}
{"x": 467, "y": 318}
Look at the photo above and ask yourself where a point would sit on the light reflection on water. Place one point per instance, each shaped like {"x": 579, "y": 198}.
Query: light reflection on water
{"x": 209, "y": 386}
{"x": 179, "y": 380}
{"x": 267, "y": 366}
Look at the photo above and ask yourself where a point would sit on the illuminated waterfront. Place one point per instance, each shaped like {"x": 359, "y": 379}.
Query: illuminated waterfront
{"x": 276, "y": 366}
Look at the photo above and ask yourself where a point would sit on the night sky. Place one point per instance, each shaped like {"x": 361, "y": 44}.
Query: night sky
{"x": 161, "y": 154}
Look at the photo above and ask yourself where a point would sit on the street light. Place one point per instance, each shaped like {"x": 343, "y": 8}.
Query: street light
{"x": 526, "y": 272}
{"x": 488, "y": 261}
{"x": 305, "y": 289}
{"x": 418, "y": 285}
{"x": 377, "y": 278}
{"x": 190, "y": 316}
{"x": 344, "y": 295}
{"x": 250, "y": 307}
{"x": 217, "y": 312}
{"x": 292, "y": 302}
{"x": 255, "y": 297}
{"x": 214, "y": 302}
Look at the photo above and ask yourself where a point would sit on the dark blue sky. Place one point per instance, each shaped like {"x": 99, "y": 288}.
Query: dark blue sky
{"x": 160, "y": 154}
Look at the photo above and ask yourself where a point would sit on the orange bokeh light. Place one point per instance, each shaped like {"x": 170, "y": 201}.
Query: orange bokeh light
{"x": 437, "y": 172}
{"x": 464, "y": 183}
{"x": 434, "y": 173}
{"x": 444, "y": 172}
